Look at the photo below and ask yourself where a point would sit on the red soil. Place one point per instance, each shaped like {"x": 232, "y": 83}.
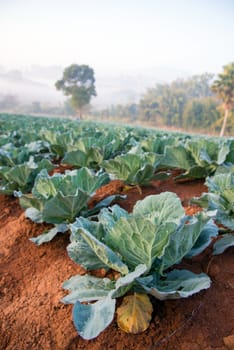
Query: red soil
{"x": 33, "y": 318}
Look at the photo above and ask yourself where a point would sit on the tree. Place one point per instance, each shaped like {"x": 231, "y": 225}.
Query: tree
{"x": 167, "y": 101}
{"x": 201, "y": 113}
{"x": 224, "y": 88}
{"x": 78, "y": 82}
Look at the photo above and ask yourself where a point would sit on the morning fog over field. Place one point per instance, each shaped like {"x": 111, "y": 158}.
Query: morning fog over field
{"x": 135, "y": 49}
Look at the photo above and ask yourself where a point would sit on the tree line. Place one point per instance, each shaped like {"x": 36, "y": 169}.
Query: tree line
{"x": 199, "y": 103}
{"x": 196, "y": 103}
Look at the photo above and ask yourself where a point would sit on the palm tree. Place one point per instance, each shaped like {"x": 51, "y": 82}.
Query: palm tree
{"x": 224, "y": 88}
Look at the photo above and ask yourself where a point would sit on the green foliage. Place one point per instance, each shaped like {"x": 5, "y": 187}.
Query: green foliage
{"x": 224, "y": 88}
{"x": 59, "y": 199}
{"x": 184, "y": 103}
{"x": 141, "y": 246}
{"x": 223, "y": 243}
{"x": 21, "y": 177}
{"x": 201, "y": 113}
{"x": 224, "y": 85}
{"x": 220, "y": 198}
{"x": 166, "y": 102}
{"x": 133, "y": 169}
{"x": 177, "y": 284}
{"x": 91, "y": 319}
{"x": 91, "y": 151}
{"x": 78, "y": 82}
{"x": 200, "y": 157}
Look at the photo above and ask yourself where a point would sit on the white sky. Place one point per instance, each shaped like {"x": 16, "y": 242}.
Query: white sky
{"x": 118, "y": 35}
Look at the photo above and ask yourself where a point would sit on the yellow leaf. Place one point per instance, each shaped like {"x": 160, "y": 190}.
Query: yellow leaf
{"x": 134, "y": 315}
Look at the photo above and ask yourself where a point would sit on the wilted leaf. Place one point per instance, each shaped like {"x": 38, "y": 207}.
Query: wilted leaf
{"x": 134, "y": 315}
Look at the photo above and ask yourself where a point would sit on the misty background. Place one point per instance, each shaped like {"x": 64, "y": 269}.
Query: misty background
{"x": 36, "y": 84}
{"x": 132, "y": 46}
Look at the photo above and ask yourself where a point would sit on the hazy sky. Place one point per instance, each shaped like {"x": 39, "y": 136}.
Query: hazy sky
{"x": 118, "y": 35}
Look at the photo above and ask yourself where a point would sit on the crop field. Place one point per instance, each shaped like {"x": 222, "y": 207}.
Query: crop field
{"x": 114, "y": 237}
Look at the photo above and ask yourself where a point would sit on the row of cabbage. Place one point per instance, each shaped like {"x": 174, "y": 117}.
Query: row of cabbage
{"x": 133, "y": 155}
{"x": 142, "y": 247}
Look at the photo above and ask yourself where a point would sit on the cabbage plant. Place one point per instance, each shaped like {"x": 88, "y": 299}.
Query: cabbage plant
{"x": 197, "y": 157}
{"x": 21, "y": 177}
{"x": 220, "y": 199}
{"x": 19, "y": 166}
{"x": 59, "y": 199}
{"x": 91, "y": 151}
{"x": 133, "y": 169}
{"x": 140, "y": 247}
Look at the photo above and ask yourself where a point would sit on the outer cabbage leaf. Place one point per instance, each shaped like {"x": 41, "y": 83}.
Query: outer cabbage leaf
{"x": 50, "y": 234}
{"x": 225, "y": 168}
{"x": 34, "y": 214}
{"x": 38, "y": 147}
{"x": 90, "y": 288}
{"x": 104, "y": 253}
{"x": 208, "y": 233}
{"x": 176, "y": 284}
{"x": 143, "y": 176}
{"x": 93, "y": 227}
{"x": 223, "y": 243}
{"x": 183, "y": 240}
{"x": 109, "y": 216}
{"x": 7, "y": 188}
{"x": 134, "y": 314}
{"x": 6, "y": 158}
{"x": 195, "y": 172}
{"x": 28, "y": 201}
{"x": 79, "y": 250}
{"x": 59, "y": 141}
{"x": 59, "y": 199}
{"x": 81, "y": 253}
{"x": 64, "y": 209}
{"x": 91, "y": 319}
{"x": 104, "y": 203}
{"x": 177, "y": 157}
{"x": 87, "y": 288}
{"x": 122, "y": 166}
